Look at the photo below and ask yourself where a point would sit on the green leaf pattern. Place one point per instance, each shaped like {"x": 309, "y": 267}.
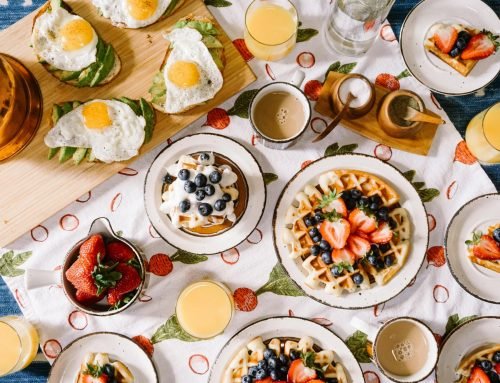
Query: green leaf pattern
{"x": 280, "y": 283}
{"x": 171, "y": 329}
{"x": 455, "y": 321}
{"x": 9, "y": 263}
{"x": 335, "y": 149}
{"x": 242, "y": 103}
{"x": 340, "y": 68}
{"x": 425, "y": 194}
{"x": 218, "y": 3}
{"x": 187, "y": 258}
{"x": 357, "y": 343}
{"x": 305, "y": 34}
{"x": 269, "y": 178}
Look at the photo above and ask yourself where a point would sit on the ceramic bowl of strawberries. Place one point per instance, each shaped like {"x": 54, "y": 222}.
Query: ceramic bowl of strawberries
{"x": 102, "y": 274}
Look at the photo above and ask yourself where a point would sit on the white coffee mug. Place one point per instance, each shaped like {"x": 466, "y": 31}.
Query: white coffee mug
{"x": 373, "y": 333}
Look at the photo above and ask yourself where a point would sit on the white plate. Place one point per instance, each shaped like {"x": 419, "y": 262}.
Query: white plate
{"x": 463, "y": 340}
{"x": 67, "y": 365}
{"x": 427, "y": 68}
{"x": 478, "y": 214}
{"x": 209, "y": 143}
{"x": 292, "y": 327}
{"x": 409, "y": 199}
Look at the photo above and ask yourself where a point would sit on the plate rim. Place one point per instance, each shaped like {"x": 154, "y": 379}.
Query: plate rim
{"x": 459, "y": 210}
{"x": 285, "y": 187}
{"x": 239, "y": 221}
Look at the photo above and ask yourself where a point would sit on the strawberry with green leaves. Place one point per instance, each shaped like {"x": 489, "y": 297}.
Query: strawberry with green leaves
{"x": 480, "y": 46}
{"x": 129, "y": 281}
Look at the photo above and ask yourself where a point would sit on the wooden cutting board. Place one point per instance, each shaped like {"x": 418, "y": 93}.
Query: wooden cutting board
{"x": 33, "y": 188}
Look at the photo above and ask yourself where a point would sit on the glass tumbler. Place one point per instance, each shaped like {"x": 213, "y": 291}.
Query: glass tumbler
{"x": 483, "y": 135}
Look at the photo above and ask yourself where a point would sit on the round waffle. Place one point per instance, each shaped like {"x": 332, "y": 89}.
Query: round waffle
{"x": 469, "y": 361}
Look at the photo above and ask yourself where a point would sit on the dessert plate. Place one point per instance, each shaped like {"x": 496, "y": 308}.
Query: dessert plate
{"x": 67, "y": 365}
{"x": 463, "y": 340}
{"x": 477, "y": 214}
{"x": 287, "y": 327}
{"x": 431, "y": 71}
{"x": 246, "y": 223}
{"x": 409, "y": 200}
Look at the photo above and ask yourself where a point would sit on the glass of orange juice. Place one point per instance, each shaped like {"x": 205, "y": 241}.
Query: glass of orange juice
{"x": 483, "y": 135}
{"x": 18, "y": 344}
{"x": 271, "y": 28}
{"x": 204, "y": 309}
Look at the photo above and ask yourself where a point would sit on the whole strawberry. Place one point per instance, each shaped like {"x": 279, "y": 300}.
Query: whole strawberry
{"x": 80, "y": 276}
{"x": 91, "y": 248}
{"x": 119, "y": 252}
{"x": 130, "y": 280}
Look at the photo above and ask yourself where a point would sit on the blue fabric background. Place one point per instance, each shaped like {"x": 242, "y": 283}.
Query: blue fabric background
{"x": 460, "y": 110}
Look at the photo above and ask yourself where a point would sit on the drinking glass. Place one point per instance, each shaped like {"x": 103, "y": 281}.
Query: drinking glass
{"x": 270, "y": 28}
{"x": 353, "y": 25}
{"x": 483, "y": 135}
{"x": 18, "y": 344}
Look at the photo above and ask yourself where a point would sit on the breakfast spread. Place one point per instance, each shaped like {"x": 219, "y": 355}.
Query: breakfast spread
{"x": 347, "y": 231}
{"x": 289, "y": 360}
{"x": 98, "y": 368}
{"x": 203, "y": 193}
{"x": 100, "y": 130}
{"x": 481, "y": 366}
{"x": 104, "y": 269}
{"x": 70, "y": 49}
{"x": 460, "y": 46}
{"x": 484, "y": 248}
{"x": 136, "y": 13}
{"x": 191, "y": 72}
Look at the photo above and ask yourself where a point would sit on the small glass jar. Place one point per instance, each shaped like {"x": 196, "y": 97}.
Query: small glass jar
{"x": 483, "y": 135}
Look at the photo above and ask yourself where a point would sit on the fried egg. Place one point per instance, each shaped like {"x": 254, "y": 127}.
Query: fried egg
{"x": 132, "y": 13}
{"x": 66, "y": 41}
{"x": 110, "y": 128}
{"x": 191, "y": 75}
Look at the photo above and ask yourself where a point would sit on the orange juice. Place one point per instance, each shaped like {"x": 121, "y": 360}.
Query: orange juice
{"x": 204, "y": 309}
{"x": 18, "y": 344}
{"x": 271, "y": 28}
{"x": 483, "y": 135}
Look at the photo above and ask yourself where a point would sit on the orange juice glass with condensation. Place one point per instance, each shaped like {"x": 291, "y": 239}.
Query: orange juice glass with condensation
{"x": 204, "y": 309}
{"x": 18, "y": 344}
{"x": 271, "y": 28}
{"x": 483, "y": 135}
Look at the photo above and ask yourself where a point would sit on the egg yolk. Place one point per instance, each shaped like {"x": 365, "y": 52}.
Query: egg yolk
{"x": 96, "y": 115}
{"x": 184, "y": 74}
{"x": 76, "y": 34}
{"x": 142, "y": 9}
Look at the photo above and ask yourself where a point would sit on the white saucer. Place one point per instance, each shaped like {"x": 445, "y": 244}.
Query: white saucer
{"x": 463, "y": 340}
{"x": 287, "y": 327}
{"x": 210, "y": 143}
{"x": 409, "y": 200}
{"x": 427, "y": 68}
{"x": 478, "y": 214}
{"x": 67, "y": 365}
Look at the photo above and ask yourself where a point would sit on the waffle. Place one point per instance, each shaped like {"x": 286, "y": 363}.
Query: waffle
{"x": 467, "y": 363}
{"x": 95, "y": 361}
{"x": 299, "y": 242}
{"x": 253, "y": 352}
{"x": 489, "y": 264}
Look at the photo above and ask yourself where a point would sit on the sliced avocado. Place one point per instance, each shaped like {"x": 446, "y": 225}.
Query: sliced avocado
{"x": 52, "y": 153}
{"x": 65, "y": 153}
{"x": 212, "y": 42}
{"x": 158, "y": 89}
{"x": 107, "y": 65}
{"x": 132, "y": 103}
{"x": 149, "y": 115}
{"x": 57, "y": 113}
{"x": 216, "y": 56}
{"x": 66, "y": 107}
{"x": 87, "y": 75}
{"x": 76, "y": 104}
{"x": 52, "y": 68}
{"x": 79, "y": 155}
{"x": 67, "y": 75}
{"x": 91, "y": 156}
{"x": 158, "y": 78}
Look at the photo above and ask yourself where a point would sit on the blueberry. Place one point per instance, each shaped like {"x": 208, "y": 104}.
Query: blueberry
{"x": 392, "y": 223}
{"x": 200, "y": 180}
{"x": 336, "y": 271}
{"x": 268, "y": 353}
{"x": 261, "y": 374}
{"x": 363, "y": 201}
{"x": 373, "y": 206}
{"x": 357, "y": 279}
{"x": 220, "y": 205}
{"x": 209, "y": 190}
{"x": 374, "y": 250}
{"x": 189, "y": 186}
{"x": 383, "y": 214}
{"x": 109, "y": 370}
{"x": 227, "y": 197}
{"x": 283, "y": 371}
{"x": 496, "y": 236}
{"x": 316, "y": 238}
{"x": 246, "y": 379}
{"x": 252, "y": 371}
{"x": 283, "y": 360}
{"x": 376, "y": 200}
{"x": 205, "y": 209}
{"x": 294, "y": 354}
{"x": 272, "y": 363}
{"x": 184, "y": 205}
{"x": 388, "y": 260}
{"x": 309, "y": 221}
{"x": 372, "y": 259}
{"x": 379, "y": 264}
{"x": 496, "y": 357}
{"x": 183, "y": 174}
{"x": 461, "y": 43}
{"x": 485, "y": 365}
{"x": 332, "y": 380}
{"x": 464, "y": 35}
{"x": 200, "y": 194}
{"x": 327, "y": 258}
{"x": 204, "y": 156}
{"x": 262, "y": 365}
{"x": 313, "y": 232}
{"x": 274, "y": 375}
{"x": 215, "y": 177}
{"x": 168, "y": 179}
{"x": 350, "y": 204}
{"x": 494, "y": 377}
{"x": 324, "y": 245}
{"x": 355, "y": 194}
{"x": 315, "y": 250}
{"x": 455, "y": 52}
{"x": 318, "y": 216}
{"x": 384, "y": 247}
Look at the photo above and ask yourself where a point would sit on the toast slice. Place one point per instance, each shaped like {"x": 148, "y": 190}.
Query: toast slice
{"x": 157, "y": 91}
{"x": 106, "y": 67}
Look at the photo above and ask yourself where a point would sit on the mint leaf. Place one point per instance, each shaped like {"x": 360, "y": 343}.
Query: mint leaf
{"x": 187, "y": 257}
{"x": 218, "y": 3}
{"x": 305, "y": 34}
{"x": 9, "y": 263}
{"x": 357, "y": 343}
{"x": 280, "y": 283}
{"x": 335, "y": 149}
{"x": 242, "y": 103}
{"x": 269, "y": 177}
{"x": 171, "y": 329}
{"x": 329, "y": 198}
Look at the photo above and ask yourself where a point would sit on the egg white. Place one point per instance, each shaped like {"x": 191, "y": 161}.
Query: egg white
{"x": 117, "y": 12}
{"x": 187, "y": 46}
{"x": 47, "y": 43}
{"x": 118, "y": 142}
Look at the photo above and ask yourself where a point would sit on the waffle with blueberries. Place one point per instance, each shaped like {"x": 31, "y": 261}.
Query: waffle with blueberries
{"x": 289, "y": 360}
{"x": 481, "y": 366}
{"x": 348, "y": 232}
{"x": 484, "y": 248}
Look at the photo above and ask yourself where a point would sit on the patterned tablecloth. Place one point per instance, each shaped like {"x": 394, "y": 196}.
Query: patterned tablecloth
{"x": 445, "y": 179}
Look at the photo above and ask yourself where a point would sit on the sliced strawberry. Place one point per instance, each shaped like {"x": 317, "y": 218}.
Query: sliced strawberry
{"x": 129, "y": 281}
{"x": 119, "y": 252}
{"x": 359, "y": 246}
{"x": 299, "y": 373}
{"x": 383, "y": 234}
{"x": 339, "y": 206}
{"x": 343, "y": 255}
{"x": 265, "y": 380}
{"x": 335, "y": 232}
{"x": 487, "y": 248}
{"x": 91, "y": 248}
{"x": 497, "y": 368}
{"x": 360, "y": 221}
{"x": 80, "y": 276}
{"x": 92, "y": 379}
{"x": 87, "y": 299}
{"x": 480, "y": 46}
{"x": 478, "y": 376}
{"x": 316, "y": 381}
{"x": 445, "y": 38}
